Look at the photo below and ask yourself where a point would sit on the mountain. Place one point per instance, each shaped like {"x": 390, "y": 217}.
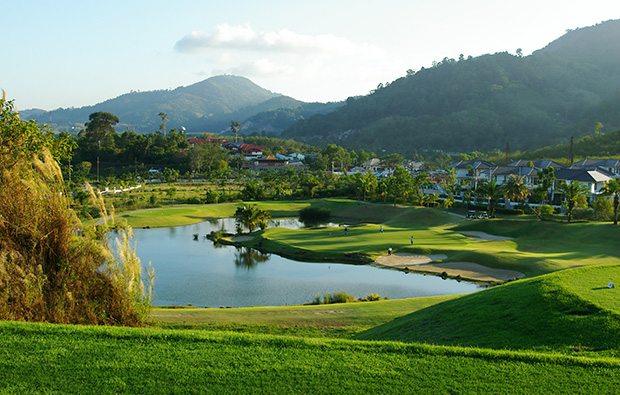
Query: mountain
{"x": 483, "y": 103}
{"x": 207, "y": 106}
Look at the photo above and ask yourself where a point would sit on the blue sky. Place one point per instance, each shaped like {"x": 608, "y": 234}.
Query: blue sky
{"x": 77, "y": 53}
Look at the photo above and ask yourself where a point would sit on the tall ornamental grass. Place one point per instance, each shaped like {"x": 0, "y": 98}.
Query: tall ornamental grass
{"x": 50, "y": 268}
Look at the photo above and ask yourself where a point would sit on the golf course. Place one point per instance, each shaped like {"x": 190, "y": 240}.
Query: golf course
{"x": 548, "y": 324}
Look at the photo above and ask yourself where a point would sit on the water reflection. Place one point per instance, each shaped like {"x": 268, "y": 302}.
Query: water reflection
{"x": 249, "y": 258}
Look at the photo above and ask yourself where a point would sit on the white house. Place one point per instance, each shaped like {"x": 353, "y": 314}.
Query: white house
{"x": 610, "y": 165}
{"x": 594, "y": 179}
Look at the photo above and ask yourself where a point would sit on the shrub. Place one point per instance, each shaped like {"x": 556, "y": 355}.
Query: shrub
{"x": 336, "y": 297}
{"x": 372, "y": 298}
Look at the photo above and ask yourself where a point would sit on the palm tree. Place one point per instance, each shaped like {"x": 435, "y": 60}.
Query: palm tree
{"x": 516, "y": 189}
{"x": 251, "y": 216}
{"x": 572, "y": 192}
{"x": 490, "y": 191}
{"x": 612, "y": 188}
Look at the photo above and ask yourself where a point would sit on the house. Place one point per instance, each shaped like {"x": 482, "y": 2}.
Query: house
{"x": 213, "y": 140}
{"x": 594, "y": 179}
{"x": 476, "y": 170}
{"x": 271, "y": 163}
{"x": 538, "y": 164}
{"x": 248, "y": 151}
{"x": 372, "y": 165}
{"x": 501, "y": 173}
{"x": 610, "y": 165}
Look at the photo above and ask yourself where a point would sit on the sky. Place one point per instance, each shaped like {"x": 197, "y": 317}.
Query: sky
{"x": 77, "y": 53}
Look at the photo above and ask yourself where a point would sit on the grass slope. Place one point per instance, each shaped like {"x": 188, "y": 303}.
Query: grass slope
{"x": 564, "y": 311}
{"x": 341, "y": 320}
{"x": 38, "y": 358}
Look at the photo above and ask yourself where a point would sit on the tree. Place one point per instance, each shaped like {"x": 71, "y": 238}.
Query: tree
{"x": 490, "y": 191}
{"x": 253, "y": 191}
{"x": 20, "y": 140}
{"x": 235, "y": 127}
{"x": 399, "y": 183}
{"x": 572, "y": 193}
{"x": 336, "y": 156}
{"x": 100, "y": 126}
{"x": 250, "y": 216}
{"x": 164, "y": 118}
{"x": 362, "y": 157}
{"x": 612, "y": 188}
{"x": 392, "y": 160}
{"x": 546, "y": 177}
{"x": 207, "y": 157}
{"x": 368, "y": 183}
{"x": 516, "y": 188}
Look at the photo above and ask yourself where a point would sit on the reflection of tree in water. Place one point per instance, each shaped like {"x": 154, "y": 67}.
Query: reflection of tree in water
{"x": 249, "y": 257}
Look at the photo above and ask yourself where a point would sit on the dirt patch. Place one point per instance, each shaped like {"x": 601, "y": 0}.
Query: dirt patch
{"x": 485, "y": 236}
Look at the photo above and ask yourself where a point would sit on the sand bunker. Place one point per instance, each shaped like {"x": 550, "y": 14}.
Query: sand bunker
{"x": 402, "y": 260}
{"x": 485, "y": 236}
{"x": 429, "y": 264}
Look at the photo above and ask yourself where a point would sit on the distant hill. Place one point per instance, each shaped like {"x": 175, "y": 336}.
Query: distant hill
{"x": 207, "y": 106}
{"x": 482, "y": 103}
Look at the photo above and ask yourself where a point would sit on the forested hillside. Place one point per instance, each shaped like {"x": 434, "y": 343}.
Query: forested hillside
{"x": 482, "y": 103}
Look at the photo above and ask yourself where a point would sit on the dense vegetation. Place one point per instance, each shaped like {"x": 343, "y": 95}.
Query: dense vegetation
{"x": 480, "y": 104}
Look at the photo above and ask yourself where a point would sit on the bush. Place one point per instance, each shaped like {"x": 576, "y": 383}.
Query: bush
{"x": 336, "y": 297}
{"x": 314, "y": 215}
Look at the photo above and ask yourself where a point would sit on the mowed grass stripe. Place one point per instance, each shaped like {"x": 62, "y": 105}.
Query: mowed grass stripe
{"x": 73, "y": 359}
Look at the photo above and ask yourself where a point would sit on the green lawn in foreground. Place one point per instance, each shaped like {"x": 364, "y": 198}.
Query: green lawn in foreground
{"x": 48, "y": 358}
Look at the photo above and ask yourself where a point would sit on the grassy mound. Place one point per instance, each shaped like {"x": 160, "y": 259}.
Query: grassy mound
{"x": 564, "y": 311}
{"x": 74, "y": 359}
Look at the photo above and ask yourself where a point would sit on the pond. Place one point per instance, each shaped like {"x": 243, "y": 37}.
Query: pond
{"x": 193, "y": 271}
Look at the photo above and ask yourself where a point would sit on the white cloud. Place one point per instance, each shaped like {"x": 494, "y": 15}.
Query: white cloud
{"x": 308, "y": 67}
{"x": 260, "y": 68}
{"x": 226, "y": 37}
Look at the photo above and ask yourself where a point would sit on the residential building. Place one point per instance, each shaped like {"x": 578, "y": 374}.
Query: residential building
{"x": 610, "y": 165}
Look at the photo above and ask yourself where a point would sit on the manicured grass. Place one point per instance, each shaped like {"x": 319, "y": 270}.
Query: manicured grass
{"x": 537, "y": 248}
{"x": 332, "y": 321}
{"x": 72, "y": 359}
{"x": 568, "y": 311}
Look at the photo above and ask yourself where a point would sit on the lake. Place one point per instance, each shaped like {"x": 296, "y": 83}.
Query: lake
{"x": 194, "y": 271}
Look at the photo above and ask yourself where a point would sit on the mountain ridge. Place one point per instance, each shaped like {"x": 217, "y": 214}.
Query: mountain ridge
{"x": 483, "y": 103}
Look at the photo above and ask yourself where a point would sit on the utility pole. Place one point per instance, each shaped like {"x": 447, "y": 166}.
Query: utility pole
{"x": 98, "y": 154}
